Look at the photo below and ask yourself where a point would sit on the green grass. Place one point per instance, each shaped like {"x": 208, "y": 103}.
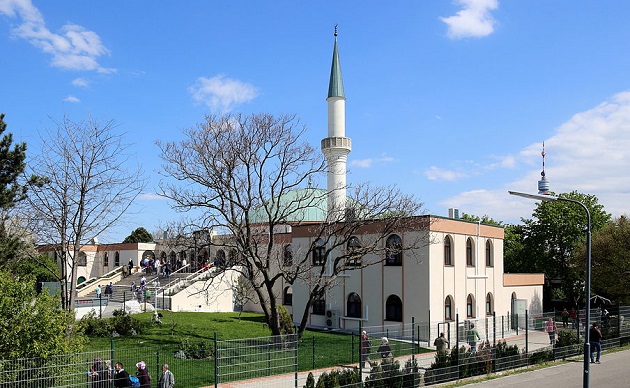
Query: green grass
{"x": 158, "y": 344}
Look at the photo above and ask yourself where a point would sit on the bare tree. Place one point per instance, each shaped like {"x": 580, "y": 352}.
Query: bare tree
{"x": 90, "y": 184}
{"x": 251, "y": 178}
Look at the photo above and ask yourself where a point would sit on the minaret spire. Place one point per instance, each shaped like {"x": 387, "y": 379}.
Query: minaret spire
{"x": 543, "y": 183}
{"x": 336, "y": 146}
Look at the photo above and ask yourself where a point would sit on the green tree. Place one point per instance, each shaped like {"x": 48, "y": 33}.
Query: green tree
{"x": 610, "y": 260}
{"x": 33, "y": 325}
{"x": 546, "y": 243}
{"x": 140, "y": 235}
{"x": 484, "y": 220}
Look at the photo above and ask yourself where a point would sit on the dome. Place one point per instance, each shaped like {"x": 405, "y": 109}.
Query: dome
{"x": 293, "y": 203}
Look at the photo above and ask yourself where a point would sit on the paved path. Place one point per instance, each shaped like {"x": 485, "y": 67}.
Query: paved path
{"x": 614, "y": 371}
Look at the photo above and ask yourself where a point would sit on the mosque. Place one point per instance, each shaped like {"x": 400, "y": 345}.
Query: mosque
{"x": 458, "y": 275}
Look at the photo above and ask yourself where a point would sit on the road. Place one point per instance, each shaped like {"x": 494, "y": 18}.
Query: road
{"x": 614, "y": 371}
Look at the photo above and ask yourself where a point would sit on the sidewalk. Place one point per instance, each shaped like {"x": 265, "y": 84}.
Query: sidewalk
{"x": 536, "y": 340}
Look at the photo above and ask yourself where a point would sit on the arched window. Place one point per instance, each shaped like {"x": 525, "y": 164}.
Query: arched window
{"x": 470, "y": 306}
{"x": 354, "y": 305}
{"x": 448, "y": 308}
{"x": 489, "y": 258}
{"x": 319, "y": 305}
{"x": 82, "y": 260}
{"x": 470, "y": 257}
{"x": 448, "y": 251}
{"x": 393, "y": 250}
{"x": 287, "y": 260}
{"x": 287, "y": 299}
{"x": 393, "y": 309}
{"x": 319, "y": 251}
{"x": 353, "y": 246}
{"x": 219, "y": 260}
{"x": 117, "y": 259}
{"x": 106, "y": 259}
{"x": 489, "y": 304}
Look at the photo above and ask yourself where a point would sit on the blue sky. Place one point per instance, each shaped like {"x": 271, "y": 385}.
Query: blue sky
{"x": 451, "y": 101}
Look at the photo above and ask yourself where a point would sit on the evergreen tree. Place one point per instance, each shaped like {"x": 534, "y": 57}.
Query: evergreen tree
{"x": 140, "y": 235}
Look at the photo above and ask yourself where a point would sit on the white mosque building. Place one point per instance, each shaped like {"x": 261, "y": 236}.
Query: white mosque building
{"x": 459, "y": 275}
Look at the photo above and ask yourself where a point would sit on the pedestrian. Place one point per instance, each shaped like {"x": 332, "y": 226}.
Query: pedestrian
{"x": 130, "y": 265}
{"x": 143, "y": 375}
{"x": 574, "y": 319}
{"x": 167, "y": 379}
{"x": 366, "y": 349}
{"x": 595, "y": 339}
{"x": 384, "y": 349}
{"x": 98, "y": 291}
{"x": 109, "y": 290}
{"x": 121, "y": 377}
{"x": 472, "y": 337}
{"x": 550, "y": 328}
{"x": 98, "y": 374}
{"x": 565, "y": 318}
{"x": 441, "y": 344}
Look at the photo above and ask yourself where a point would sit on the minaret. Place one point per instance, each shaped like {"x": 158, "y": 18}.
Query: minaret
{"x": 543, "y": 183}
{"x": 336, "y": 146}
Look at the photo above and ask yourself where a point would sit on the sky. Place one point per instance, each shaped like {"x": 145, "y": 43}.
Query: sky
{"x": 449, "y": 101}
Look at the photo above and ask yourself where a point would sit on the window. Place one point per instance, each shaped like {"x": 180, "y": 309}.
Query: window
{"x": 489, "y": 304}
{"x": 287, "y": 256}
{"x": 353, "y": 246}
{"x": 287, "y": 299}
{"x": 393, "y": 252}
{"x": 448, "y": 308}
{"x": 393, "y": 309}
{"x": 470, "y": 306}
{"x": 489, "y": 259}
{"x": 82, "y": 260}
{"x": 233, "y": 258}
{"x": 117, "y": 259}
{"x": 448, "y": 251}
{"x": 470, "y": 258}
{"x": 318, "y": 252}
{"x": 354, "y": 305}
{"x": 219, "y": 260}
{"x": 106, "y": 260}
{"x": 319, "y": 305}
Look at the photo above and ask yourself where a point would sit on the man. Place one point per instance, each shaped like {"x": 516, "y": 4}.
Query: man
{"x": 121, "y": 377}
{"x": 472, "y": 337}
{"x": 596, "y": 342}
{"x": 167, "y": 380}
{"x": 441, "y": 344}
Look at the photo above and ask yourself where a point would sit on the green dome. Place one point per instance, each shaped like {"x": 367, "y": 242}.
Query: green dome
{"x": 294, "y": 207}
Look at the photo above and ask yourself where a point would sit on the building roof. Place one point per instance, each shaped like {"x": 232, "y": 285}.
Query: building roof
{"x": 303, "y": 205}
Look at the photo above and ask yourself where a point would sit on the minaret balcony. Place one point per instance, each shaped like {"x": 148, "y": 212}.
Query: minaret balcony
{"x": 336, "y": 142}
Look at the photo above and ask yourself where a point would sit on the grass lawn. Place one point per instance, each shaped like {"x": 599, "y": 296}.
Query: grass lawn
{"x": 158, "y": 344}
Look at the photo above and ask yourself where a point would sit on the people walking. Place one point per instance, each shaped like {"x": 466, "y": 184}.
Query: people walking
{"x": 441, "y": 344}
{"x": 366, "y": 349}
{"x": 385, "y": 350}
{"x": 472, "y": 337}
{"x": 167, "y": 379}
{"x": 121, "y": 377}
{"x": 595, "y": 341}
{"x": 551, "y": 328}
{"x": 565, "y": 318}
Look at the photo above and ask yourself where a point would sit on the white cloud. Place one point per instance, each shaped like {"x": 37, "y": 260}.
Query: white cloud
{"x": 151, "y": 197}
{"x": 588, "y": 153}
{"x": 473, "y": 20}
{"x": 434, "y": 173}
{"x": 80, "y": 82}
{"x": 220, "y": 93}
{"x": 74, "y": 48}
{"x": 71, "y": 99}
{"x": 366, "y": 163}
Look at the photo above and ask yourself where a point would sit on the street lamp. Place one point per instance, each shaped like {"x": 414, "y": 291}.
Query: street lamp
{"x": 587, "y": 345}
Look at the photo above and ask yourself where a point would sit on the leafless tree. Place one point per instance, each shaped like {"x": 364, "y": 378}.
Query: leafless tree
{"x": 250, "y": 178}
{"x": 90, "y": 183}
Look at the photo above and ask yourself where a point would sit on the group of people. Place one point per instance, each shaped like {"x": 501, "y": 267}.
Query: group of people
{"x": 109, "y": 290}
{"x": 594, "y": 333}
{"x": 102, "y": 376}
{"x": 384, "y": 350}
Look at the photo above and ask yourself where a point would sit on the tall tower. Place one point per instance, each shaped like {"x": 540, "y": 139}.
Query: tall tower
{"x": 336, "y": 146}
{"x": 543, "y": 183}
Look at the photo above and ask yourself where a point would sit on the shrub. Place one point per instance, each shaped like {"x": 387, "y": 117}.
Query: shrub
{"x": 567, "y": 338}
{"x": 197, "y": 350}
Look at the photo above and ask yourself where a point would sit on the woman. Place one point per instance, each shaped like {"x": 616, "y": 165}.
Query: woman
{"x": 143, "y": 375}
{"x": 384, "y": 349}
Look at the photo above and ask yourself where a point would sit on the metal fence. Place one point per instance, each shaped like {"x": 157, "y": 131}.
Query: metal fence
{"x": 285, "y": 361}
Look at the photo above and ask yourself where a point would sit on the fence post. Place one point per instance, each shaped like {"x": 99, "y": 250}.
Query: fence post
{"x": 494, "y": 328}
{"x": 352, "y": 348}
{"x": 216, "y": 361}
{"x": 157, "y": 363}
{"x": 413, "y": 321}
{"x": 515, "y": 318}
{"x": 313, "y": 351}
{"x": 526, "y": 333}
{"x": 296, "y": 360}
{"x": 112, "y": 344}
{"x": 457, "y": 341}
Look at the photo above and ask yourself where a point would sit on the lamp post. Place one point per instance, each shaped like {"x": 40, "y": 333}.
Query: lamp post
{"x": 587, "y": 345}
